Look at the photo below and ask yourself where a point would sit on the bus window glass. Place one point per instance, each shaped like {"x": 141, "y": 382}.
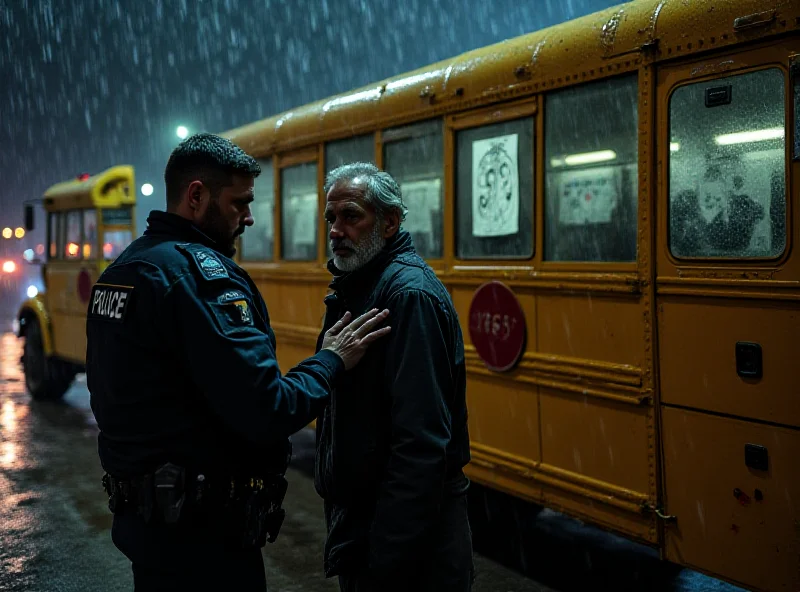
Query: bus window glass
{"x": 72, "y": 249}
{"x": 89, "y": 233}
{"x": 414, "y": 156}
{"x": 591, "y": 176}
{"x": 494, "y": 191}
{"x": 727, "y": 189}
{"x": 299, "y": 214}
{"x": 115, "y": 242}
{"x": 796, "y": 85}
{"x": 358, "y": 149}
{"x": 258, "y": 241}
{"x": 54, "y": 235}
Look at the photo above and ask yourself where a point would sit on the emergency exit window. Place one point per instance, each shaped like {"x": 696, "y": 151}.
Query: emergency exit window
{"x": 727, "y": 185}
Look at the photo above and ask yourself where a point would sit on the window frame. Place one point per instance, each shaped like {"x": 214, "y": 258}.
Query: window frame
{"x": 79, "y": 211}
{"x": 273, "y": 164}
{"x": 643, "y": 160}
{"x": 395, "y": 134}
{"x": 454, "y": 123}
{"x": 312, "y": 154}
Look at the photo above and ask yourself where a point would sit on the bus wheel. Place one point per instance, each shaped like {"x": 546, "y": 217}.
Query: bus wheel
{"x": 47, "y": 378}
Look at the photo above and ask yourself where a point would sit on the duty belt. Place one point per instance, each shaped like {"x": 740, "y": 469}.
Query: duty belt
{"x": 250, "y": 506}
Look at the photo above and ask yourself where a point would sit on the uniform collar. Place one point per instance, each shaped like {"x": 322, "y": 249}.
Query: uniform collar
{"x": 175, "y": 226}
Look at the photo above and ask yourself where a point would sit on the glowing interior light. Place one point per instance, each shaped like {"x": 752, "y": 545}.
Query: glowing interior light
{"x": 40, "y": 249}
{"x": 674, "y": 146}
{"x": 7, "y": 233}
{"x": 584, "y": 158}
{"x": 753, "y": 136}
{"x": 32, "y": 291}
{"x": 27, "y": 254}
{"x": 107, "y": 249}
{"x": 87, "y": 250}
{"x": 19, "y": 232}
{"x": 9, "y": 266}
{"x": 73, "y": 249}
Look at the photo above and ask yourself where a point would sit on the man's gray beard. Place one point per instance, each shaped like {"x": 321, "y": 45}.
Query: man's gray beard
{"x": 363, "y": 252}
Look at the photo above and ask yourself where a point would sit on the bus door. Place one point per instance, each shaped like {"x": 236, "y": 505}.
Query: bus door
{"x": 728, "y": 311}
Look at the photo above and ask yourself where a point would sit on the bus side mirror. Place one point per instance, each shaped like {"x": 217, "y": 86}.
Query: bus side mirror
{"x": 28, "y": 217}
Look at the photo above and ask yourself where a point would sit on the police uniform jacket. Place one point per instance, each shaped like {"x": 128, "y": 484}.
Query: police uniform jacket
{"x": 181, "y": 362}
{"x": 392, "y": 443}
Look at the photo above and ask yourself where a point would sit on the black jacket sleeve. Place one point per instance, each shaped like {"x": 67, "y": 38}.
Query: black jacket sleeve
{"x": 233, "y": 363}
{"x": 419, "y": 373}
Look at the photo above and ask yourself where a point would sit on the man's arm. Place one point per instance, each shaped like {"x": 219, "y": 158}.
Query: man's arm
{"x": 419, "y": 368}
{"x": 233, "y": 362}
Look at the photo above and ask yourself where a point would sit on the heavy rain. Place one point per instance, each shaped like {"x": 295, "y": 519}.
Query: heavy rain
{"x": 92, "y": 84}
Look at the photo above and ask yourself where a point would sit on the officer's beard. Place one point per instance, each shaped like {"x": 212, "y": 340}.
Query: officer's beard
{"x": 363, "y": 251}
{"x": 214, "y": 226}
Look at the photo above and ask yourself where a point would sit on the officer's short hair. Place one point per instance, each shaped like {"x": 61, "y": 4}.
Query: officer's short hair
{"x": 382, "y": 191}
{"x": 208, "y": 158}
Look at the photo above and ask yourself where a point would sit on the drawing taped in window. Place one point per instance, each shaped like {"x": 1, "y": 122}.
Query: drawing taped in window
{"x": 495, "y": 186}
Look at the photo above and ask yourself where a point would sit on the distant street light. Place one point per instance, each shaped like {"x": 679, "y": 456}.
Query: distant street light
{"x": 9, "y": 266}
{"x": 7, "y": 232}
{"x": 32, "y": 291}
{"x": 19, "y": 232}
{"x": 182, "y": 132}
{"x": 147, "y": 189}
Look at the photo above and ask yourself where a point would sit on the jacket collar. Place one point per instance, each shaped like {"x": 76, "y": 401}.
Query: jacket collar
{"x": 400, "y": 244}
{"x": 166, "y": 223}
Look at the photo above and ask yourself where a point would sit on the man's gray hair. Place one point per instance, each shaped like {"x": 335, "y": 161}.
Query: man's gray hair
{"x": 382, "y": 191}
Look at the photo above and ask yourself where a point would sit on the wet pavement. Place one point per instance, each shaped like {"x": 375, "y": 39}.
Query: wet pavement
{"x": 55, "y": 525}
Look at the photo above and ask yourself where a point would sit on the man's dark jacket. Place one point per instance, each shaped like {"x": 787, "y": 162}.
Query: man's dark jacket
{"x": 183, "y": 368}
{"x": 392, "y": 443}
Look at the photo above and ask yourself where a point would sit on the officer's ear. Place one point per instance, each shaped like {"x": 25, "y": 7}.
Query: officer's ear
{"x": 196, "y": 195}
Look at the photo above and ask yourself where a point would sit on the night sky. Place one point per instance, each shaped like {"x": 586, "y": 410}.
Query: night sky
{"x": 87, "y": 84}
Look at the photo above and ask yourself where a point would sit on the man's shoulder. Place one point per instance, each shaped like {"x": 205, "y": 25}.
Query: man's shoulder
{"x": 409, "y": 273}
{"x": 169, "y": 259}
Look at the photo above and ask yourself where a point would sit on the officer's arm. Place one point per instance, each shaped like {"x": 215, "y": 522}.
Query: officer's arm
{"x": 411, "y": 491}
{"x": 233, "y": 363}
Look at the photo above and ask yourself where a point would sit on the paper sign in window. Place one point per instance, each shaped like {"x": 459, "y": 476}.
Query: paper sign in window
{"x": 495, "y": 186}
{"x": 422, "y": 198}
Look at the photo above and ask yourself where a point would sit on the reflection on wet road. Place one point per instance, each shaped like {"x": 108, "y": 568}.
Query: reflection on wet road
{"x": 55, "y": 524}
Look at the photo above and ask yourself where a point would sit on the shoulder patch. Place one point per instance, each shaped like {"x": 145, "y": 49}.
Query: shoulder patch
{"x": 109, "y": 302}
{"x": 207, "y": 262}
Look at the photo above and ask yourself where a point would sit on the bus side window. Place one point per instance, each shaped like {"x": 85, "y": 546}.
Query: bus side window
{"x": 494, "y": 191}
{"x": 414, "y": 156}
{"x": 74, "y": 234}
{"x": 795, "y": 70}
{"x": 55, "y": 235}
{"x": 358, "y": 149}
{"x": 89, "y": 233}
{"x": 299, "y": 216}
{"x": 727, "y": 196}
{"x": 591, "y": 163}
{"x": 258, "y": 241}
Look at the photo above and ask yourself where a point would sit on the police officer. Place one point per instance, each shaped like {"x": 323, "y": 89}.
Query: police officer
{"x": 194, "y": 414}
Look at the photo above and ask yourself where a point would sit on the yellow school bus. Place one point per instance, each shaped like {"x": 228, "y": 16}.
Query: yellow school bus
{"x": 612, "y": 203}
{"x": 90, "y": 220}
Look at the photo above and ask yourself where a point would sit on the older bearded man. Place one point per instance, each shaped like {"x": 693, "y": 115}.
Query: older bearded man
{"x": 393, "y": 441}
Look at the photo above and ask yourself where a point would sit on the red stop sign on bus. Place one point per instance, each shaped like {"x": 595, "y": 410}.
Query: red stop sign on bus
{"x": 497, "y": 326}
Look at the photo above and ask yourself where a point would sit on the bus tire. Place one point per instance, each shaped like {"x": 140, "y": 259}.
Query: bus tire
{"x": 46, "y": 377}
